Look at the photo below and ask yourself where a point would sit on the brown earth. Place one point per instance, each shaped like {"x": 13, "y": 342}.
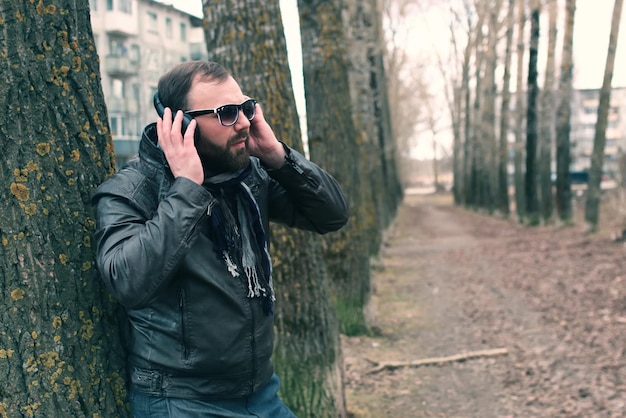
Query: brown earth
{"x": 452, "y": 281}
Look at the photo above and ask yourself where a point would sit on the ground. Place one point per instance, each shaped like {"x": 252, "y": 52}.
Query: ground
{"x": 452, "y": 281}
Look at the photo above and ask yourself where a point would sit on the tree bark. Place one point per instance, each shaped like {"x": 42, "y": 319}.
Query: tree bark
{"x": 247, "y": 36}
{"x": 592, "y": 203}
{"x": 60, "y": 350}
{"x": 563, "y": 122}
{"x": 503, "y": 160}
{"x": 333, "y": 142}
{"x": 520, "y": 200}
{"x": 532, "y": 201}
{"x": 546, "y": 121}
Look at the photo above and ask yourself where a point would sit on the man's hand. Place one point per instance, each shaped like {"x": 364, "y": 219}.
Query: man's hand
{"x": 180, "y": 152}
{"x": 263, "y": 143}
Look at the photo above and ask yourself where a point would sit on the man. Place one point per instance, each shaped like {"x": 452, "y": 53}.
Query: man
{"x": 182, "y": 243}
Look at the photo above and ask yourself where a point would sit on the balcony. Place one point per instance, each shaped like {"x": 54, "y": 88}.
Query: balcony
{"x": 120, "y": 66}
{"x": 121, "y": 24}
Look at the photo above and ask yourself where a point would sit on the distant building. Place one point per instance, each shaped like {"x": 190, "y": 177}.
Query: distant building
{"x": 137, "y": 40}
{"x": 583, "y": 127}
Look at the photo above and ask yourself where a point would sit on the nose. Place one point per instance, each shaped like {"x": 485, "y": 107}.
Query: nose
{"x": 242, "y": 121}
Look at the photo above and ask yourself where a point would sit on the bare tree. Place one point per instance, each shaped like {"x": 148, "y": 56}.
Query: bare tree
{"x": 503, "y": 176}
{"x": 532, "y": 201}
{"x": 546, "y": 121}
{"x": 592, "y": 203}
{"x": 60, "y": 350}
{"x": 547, "y": 117}
{"x": 520, "y": 200}
{"x": 563, "y": 116}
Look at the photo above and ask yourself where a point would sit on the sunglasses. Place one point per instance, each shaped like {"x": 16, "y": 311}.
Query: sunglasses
{"x": 228, "y": 114}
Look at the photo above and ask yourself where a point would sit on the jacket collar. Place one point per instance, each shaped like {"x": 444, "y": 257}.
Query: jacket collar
{"x": 149, "y": 150}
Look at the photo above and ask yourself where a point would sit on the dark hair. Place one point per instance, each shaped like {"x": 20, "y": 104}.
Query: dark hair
{"x": 175, "y": 84}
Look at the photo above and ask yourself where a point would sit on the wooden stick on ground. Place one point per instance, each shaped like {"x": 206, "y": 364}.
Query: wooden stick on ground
{"x": 435, "y": 361}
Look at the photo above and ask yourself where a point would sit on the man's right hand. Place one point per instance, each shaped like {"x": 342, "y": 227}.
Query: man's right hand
{"x": 180, "y": 152}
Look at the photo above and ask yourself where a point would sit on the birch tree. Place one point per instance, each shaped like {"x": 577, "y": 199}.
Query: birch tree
{"x": 503, "y": 175}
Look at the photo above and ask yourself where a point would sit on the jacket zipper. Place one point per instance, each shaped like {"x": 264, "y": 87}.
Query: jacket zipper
{"x": 183, "y": 326}
{"x": 253, "y": 346}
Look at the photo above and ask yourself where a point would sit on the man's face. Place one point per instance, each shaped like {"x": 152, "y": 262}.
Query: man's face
{"x": 221, "y": 148}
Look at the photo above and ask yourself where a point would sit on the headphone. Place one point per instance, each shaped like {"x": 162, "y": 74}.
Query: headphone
{"x": 160, "y": 109}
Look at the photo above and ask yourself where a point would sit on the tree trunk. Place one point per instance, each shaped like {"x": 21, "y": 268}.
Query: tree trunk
{"x": 546, "y": 138}
{"x": 248, "y": 38}
{"x": 60, "y": 349}
{"x": 467, "y": 119}
{"x": 592, "y": 204}
{"x": 563, "y": 122}
{"x": 332, "y": 142}
{"x": 532, "y": 201}
{"x": 361, "y": 33}
{"x": 503, "y": 160}
{"x": 520, "y": 200}
{"x": 488, "y": 136}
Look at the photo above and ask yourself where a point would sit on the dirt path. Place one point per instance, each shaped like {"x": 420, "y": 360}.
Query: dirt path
{"x": 453, "y": 281}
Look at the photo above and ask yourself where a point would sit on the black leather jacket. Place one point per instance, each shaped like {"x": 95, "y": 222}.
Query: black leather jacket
{"x": 194, "y": 333}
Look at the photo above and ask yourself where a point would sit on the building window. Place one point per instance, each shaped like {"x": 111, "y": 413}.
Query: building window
{"x": 169, "y": 32}
{"x": 125, "y": 6}
{"x": 109, "y": 5}
{"x": 183, "y": 32}
{"x": 134, "y": 53}
{"x": 118, "y": 48}
{"x": 117, "y": 125}
{"x": 93, "y": 5}
{"x": 152, "y": 22}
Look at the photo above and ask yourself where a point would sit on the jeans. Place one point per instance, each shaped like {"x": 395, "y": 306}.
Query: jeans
{"x": 264, "y": 403}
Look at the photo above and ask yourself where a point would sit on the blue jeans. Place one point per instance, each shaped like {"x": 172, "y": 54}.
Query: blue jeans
{"x": 264, "y": 403}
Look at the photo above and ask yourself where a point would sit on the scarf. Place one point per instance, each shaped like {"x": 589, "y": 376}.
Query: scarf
{"x": 238, "y": 236}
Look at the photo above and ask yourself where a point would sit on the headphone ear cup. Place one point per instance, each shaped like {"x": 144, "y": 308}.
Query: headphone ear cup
{"x": 160, "y": 109}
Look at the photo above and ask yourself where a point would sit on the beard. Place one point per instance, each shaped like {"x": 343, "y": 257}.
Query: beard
{"x": 217, "y": 159}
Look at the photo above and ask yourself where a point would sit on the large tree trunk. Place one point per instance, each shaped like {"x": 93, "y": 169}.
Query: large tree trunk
{"x": 592, "y": 204}
{"x": 333, "y": 143}
{"x": 532, "y": 201}
{"x": 248, "y": 38}
{"x": 563, "y": 122}
{"x": 60, "y": 351}
{"x": 546, "y": 137}
{"x": 370, "y": 106}
{"x": 503, "y": 160}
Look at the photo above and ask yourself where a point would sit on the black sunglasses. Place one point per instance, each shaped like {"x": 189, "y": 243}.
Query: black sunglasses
{"x": 228, "y": 114}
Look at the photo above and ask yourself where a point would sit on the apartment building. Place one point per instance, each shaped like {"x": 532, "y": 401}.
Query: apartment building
{"x": 584, "y": 116}
{"x": 137, "y": 40}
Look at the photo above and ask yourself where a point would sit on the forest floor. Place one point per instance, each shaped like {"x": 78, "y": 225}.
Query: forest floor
{"x": 451, "y": 281}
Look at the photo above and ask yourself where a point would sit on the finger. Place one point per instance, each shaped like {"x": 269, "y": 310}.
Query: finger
{"x": 177, "y": 125}
{"x": 189, "y": 133}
